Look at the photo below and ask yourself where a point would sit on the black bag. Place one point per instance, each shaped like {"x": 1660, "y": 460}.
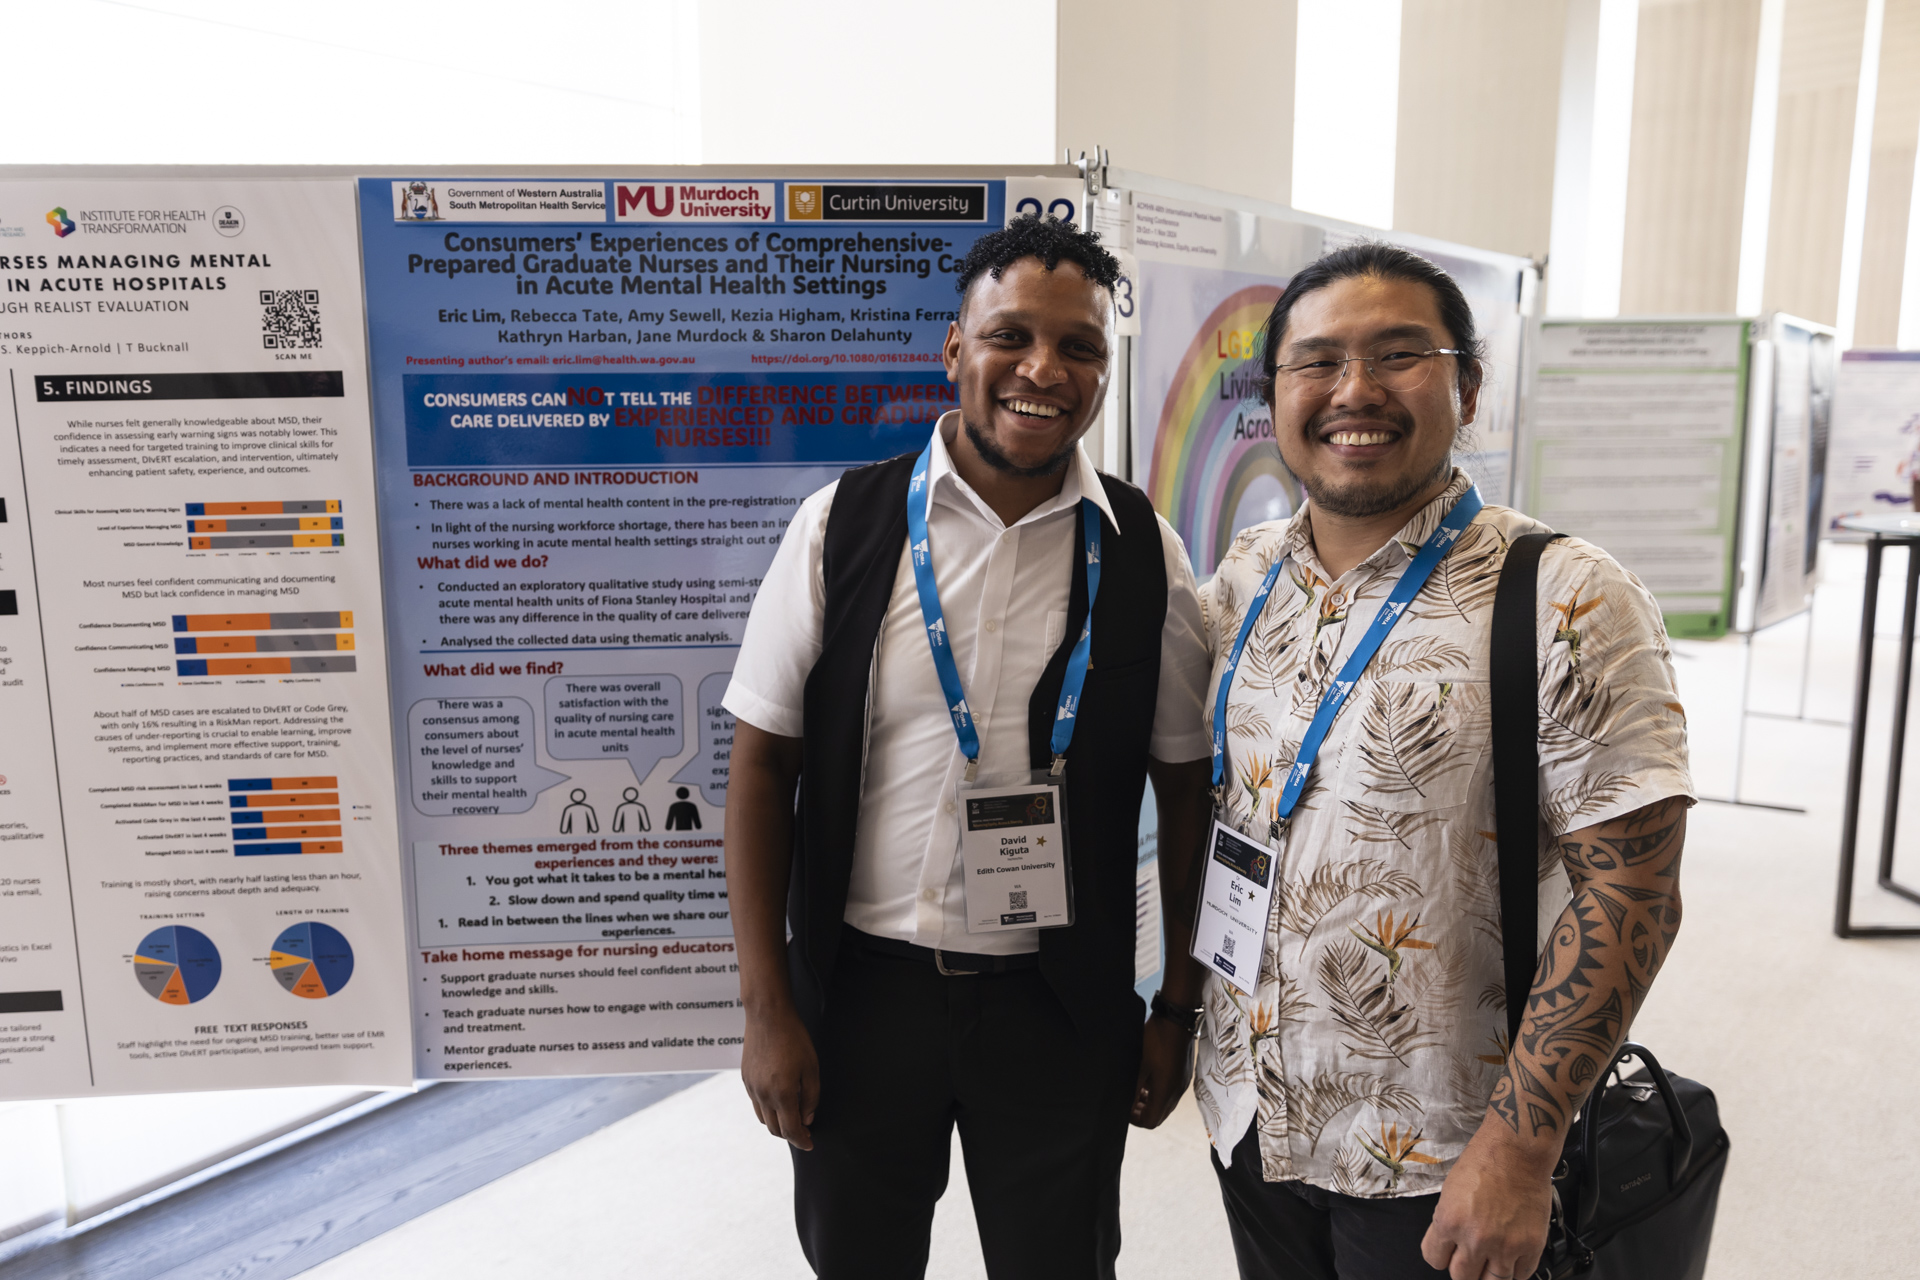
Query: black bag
{"x": 1639, "y": 1177}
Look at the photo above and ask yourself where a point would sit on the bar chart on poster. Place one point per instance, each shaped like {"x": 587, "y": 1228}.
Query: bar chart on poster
{"x": 197, "y": 820}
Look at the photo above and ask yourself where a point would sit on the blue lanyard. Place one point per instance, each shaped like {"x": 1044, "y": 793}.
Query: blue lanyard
{"x": 1416, "y": 575}
{"x": 918, "y": 496}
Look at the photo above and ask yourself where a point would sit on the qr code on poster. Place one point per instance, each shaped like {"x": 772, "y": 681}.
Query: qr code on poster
{"x": 1226, "y": 944}
{"x": 1016, "y": 899}
{"x": 290, "y": 319}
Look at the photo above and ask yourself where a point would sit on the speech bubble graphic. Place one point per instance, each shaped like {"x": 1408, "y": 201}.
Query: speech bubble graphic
{"x": 614, "y": 717}
{"x": 474, "y": 756}
{"x": 709, "y": 767}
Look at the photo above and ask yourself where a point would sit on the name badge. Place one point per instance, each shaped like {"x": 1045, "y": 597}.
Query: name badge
{"x": 1013, "y": 848}
{"x": 1231, "y": 932}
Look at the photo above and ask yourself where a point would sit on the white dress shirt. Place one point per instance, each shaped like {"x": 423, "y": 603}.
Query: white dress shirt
{"x": 1005, "y": 593}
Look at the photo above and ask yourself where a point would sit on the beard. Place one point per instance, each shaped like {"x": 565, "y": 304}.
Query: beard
{"x": 1363, "y": 499}
{"x": 1001, "y": 462}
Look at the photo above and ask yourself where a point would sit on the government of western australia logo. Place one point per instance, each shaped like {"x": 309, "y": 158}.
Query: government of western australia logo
{"x": 419, "y": 203}
{"x": 62, "y": 225}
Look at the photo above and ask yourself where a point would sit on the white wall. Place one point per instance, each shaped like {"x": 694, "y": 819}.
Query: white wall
{"x": 600, "y": 82}
{"x": 351, "y": 81}
{"x": 1201, "y": 91}
{"x": 877, "y": 82}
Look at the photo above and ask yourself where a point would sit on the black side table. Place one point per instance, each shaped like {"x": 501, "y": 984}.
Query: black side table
{"x": 1904, "y": 531}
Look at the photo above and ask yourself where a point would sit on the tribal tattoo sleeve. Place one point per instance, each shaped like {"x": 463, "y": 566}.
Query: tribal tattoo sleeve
{"x": 1597, "y": 966}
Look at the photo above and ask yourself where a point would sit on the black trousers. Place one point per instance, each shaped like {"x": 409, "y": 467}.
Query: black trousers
{"x": 1294, "y": 1231}
{"x": 905, "y": 1055}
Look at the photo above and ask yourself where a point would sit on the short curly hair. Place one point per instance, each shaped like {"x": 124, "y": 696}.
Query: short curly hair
{"x": 1048, "y": 239}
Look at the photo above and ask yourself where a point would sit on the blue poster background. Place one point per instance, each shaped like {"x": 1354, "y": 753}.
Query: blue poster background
{"x": 591, "y": 435}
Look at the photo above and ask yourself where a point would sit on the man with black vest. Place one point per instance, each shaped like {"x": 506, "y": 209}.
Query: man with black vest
{"x": 957, "y": 676}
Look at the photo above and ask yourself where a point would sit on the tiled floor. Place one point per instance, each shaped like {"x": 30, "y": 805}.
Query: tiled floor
{"x": 1810, "y": 1042}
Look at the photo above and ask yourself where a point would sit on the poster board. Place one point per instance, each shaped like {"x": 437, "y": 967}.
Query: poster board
{"x": 1634, "y": 442}
{"x": 1210, "y": 266}
{"x": 1876, "y": 427}
{"x": 198, "y": 880}
{"x": 598, "y": 402}
{"x": 1783, "y": 491}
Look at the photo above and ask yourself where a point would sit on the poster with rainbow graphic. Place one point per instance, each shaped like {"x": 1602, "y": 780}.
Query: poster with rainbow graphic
{"x": 1204, "y": 446}
{"x": 1214, "y": 468}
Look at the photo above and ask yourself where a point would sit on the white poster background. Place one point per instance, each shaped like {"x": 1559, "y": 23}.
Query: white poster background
{"x": 117, "y": 814}
{"x": 1634, "y": 445}
{"x": 1876, "y": 424}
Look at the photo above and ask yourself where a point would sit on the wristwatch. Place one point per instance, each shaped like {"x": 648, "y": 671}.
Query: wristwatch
{"x": 1187, "y": 1019}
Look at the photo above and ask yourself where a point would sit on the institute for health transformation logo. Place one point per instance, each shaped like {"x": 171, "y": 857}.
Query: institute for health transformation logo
{"x": 57, "y": 219}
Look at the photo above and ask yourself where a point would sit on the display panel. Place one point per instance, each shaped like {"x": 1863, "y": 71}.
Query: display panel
{"x": 1876, "y": 427}
{"x": 192, "y": 651}
{"x": 1635, "y": 444}
{"x": 1211, "y": 266}
{"x": 598, "y": 405}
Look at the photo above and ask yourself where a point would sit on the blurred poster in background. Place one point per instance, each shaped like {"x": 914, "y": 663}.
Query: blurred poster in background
{"x": 1210, "y": 270}
{"x": 1876, "y": 426}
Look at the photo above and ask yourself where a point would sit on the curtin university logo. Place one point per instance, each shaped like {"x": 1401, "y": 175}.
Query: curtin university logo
{"x": 62, "y": 225}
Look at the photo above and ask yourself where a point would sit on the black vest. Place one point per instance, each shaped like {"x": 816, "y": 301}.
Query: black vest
{"x": 1090, "y": 962}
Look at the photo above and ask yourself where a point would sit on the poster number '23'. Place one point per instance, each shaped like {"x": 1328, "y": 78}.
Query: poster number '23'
{"x": 1063, "y": 209}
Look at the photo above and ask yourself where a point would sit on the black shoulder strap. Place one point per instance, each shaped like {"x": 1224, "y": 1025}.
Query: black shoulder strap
{"x": 1514, "y": 673}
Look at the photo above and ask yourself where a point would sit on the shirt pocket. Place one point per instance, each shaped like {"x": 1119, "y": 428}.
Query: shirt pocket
{"x": 1415, "y": 744}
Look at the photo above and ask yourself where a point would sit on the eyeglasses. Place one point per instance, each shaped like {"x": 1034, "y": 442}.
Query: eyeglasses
{"x": 1392, "y": 368}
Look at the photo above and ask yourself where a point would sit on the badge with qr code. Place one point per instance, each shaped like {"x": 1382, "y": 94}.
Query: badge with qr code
{"x": 1235, "y": 897}
{"x": 1013, "y": 849}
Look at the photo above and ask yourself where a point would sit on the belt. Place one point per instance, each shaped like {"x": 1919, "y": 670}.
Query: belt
{"x": 953, "y": 964}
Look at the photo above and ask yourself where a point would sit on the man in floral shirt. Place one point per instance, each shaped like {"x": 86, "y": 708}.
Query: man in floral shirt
{"x": 1368, "y": 1117}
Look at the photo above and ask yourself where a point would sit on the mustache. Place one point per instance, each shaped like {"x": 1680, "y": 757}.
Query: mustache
{"x": 1331, "y": 419}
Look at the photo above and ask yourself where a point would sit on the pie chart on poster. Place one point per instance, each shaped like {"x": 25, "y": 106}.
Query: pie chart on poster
{"x": 312, "y": 960}
{"x": 177, "y": 965}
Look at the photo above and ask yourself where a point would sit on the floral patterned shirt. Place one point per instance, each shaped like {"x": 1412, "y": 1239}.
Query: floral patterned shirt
{"x": 1380, "y": 1026}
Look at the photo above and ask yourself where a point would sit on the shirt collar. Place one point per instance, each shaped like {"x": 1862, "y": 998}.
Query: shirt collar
{"x": 1399, "y": 548}
{"x": 1082, "y": 480}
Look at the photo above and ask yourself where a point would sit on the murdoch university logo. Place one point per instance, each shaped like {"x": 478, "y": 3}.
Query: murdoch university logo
{"x": 418, "y": 202}
{"x": 804, "y": 203}
{"x": 655, "y": 201}
{"x": 62, "y": 225}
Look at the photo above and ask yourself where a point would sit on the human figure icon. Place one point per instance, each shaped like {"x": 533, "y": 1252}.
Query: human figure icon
{"x": 683, "y": 814}
{"x": 631, "y": 814}
{"x": 578, "y": 812}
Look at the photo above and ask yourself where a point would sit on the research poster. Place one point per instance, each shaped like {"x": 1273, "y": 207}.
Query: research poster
{"x": 1876, "y": 428}
{"x": 1635, "y": 444}
{"x": 1208, "y": 278}
{"x": 598, "y": 405}
{"x": 1793, "y": 480}
{"x": 199, "y": 886}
